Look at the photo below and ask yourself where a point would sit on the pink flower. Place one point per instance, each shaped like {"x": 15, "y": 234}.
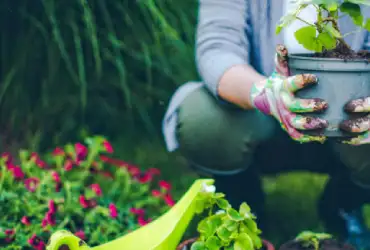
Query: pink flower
{"x": 58, "y": 152}
{"x": 52, "y": 207}
{"x": 17, "y": 172}
{"x": 7, "y": 157}
{"x": 169, "y": 200}
{"x": 80, "y": 234}
{"x": 96, "y": 188}
{"x": 115, "y": 162}
{"x": 134, "y": 171}
{"x": 154, "y": 171}
{"x": 144, "y": 178}
{"x": 36, "y": 242}
{"x": 25, "y": 220}
{"x": 68, "y": 165}
{"x": 55, "y": 176}
{"x": 165, "y": 185}
{"x": 31, "y": 183}
{"x": 81, "y": 150}
{"x": 10, "y": 235}
{"x": 142, "y": 222}
{"x": 113, "y": 210}
{"x": 108, "y": 147}
{"x": 156, "y": 193}
{"x": 83, "y": 201}
{"x": 137, "y": 211}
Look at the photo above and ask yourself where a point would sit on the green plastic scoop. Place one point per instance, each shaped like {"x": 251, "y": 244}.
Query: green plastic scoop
{"x": 163, "y": 233}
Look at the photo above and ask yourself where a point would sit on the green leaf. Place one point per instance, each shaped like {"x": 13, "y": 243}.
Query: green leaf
{"x": 289, "y": 18}
{"x": 354, "y": 11}
{"x": 333, "y": 6}
{"x": 244, "y": 208}
{"x": 234, "y": 215}
{"x": 327, "y": 40}
{"x": 222, "y": 203}
{"x": 224, "y": 234}
{"x": 364, "y": 2}
{"x": 213, "y": 243}
{"x": 367, "y": 24}
{"x": 306, "y": 36}
{"x": 243, "y": 242}
{"x": 230, "y": 225}
{"x": 252, "y": 225}
{"x": 198, "y": 246}
{"x": 218, "y": 195}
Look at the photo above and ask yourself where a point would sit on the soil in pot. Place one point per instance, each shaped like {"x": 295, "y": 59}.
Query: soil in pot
{"x": 343, "y": 75}
{"x": 329, "y": 244}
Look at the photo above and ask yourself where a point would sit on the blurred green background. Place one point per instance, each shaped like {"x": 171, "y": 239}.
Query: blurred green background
{"x": 76, "y": 67}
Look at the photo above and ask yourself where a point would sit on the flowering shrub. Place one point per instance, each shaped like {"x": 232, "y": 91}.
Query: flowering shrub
{"x": 77, "y": 188}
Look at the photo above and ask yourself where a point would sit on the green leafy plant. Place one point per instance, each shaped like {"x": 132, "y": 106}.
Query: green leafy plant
{"x": 311, "y": 240}
{"x": 78, "y": 188}
{"x": 325, "y": 33}
{"x": 224, "y": 227}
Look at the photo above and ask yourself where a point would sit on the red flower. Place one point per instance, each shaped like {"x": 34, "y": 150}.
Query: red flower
{"x": 83, "y": 201}
{"x": 108, "y": 147}
{"x": 10, "y": 235}
{"x": 68, "y": 165}
{"x": 144, "y": 178}
{"x": 58, "y": 152}
{"x": 96, "y": 188}
{"x": 134, "y": 171}
{"x": 165, "y": 185}
{"x": 36, "y": 242}
{"x": 115, "y": 162}
{"x": 17, "y": 172}
{"x": 142, "y": 222}
{"x": 169, "y": 200}
{"x": 137, "y": 211}
{"x": 80, "y": 234}
{"x": 35, "y": 158}
{"x": 31, "y": 183}
{"x": 81, "y": 150}
{"x": 154, "y": 171}
{"x": 7, "y": 157}
{"x": 156, "y": 193}
{"x": 55, "y": 176}
{"x": 52, "y": 207}
{"x": 25, "y": 221}
{"x": 113, "y": 210}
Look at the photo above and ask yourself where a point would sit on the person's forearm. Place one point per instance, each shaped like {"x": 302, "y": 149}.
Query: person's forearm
{"x": 236, "y": 83}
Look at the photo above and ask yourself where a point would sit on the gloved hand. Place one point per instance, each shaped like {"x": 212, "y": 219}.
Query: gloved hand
{"x": 275, "y": 96}
{"x": 359, "y": 126}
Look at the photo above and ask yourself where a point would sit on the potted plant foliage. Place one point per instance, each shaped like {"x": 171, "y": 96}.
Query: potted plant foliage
{"x": 224, "y": 227}
{"x": 308, "y": 240}
{"x": 342, "y": 72}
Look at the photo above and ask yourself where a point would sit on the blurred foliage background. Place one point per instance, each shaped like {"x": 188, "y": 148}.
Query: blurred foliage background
{"x": 96, "y": 66}
{"x": 76, "y": 67}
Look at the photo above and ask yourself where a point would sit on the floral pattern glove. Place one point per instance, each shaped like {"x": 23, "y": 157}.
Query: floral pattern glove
{"x": 275, "y": 96}
{"x": 360, "y": 125}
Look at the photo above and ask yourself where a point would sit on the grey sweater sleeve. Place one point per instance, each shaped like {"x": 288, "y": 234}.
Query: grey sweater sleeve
{"x": 221, "y": 40}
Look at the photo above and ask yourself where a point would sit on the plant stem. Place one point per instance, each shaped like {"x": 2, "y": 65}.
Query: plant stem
{"x": 300, "y": 19}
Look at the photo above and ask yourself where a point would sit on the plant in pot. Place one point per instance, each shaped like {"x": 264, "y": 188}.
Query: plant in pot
{"x": 344, "y": 74}
{"x": 308, "y": 240}
{"x": 224, "y": 227}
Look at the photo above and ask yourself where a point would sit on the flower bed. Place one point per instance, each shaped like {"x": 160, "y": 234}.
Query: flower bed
{"x": 78, "y": 188}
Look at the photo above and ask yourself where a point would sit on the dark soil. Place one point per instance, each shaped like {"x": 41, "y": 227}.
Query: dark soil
{"x": 324, "y": 245}
{"x": 343, "y": 52}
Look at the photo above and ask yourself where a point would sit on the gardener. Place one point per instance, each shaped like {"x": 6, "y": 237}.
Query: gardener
{"x": 229, "y": 125}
